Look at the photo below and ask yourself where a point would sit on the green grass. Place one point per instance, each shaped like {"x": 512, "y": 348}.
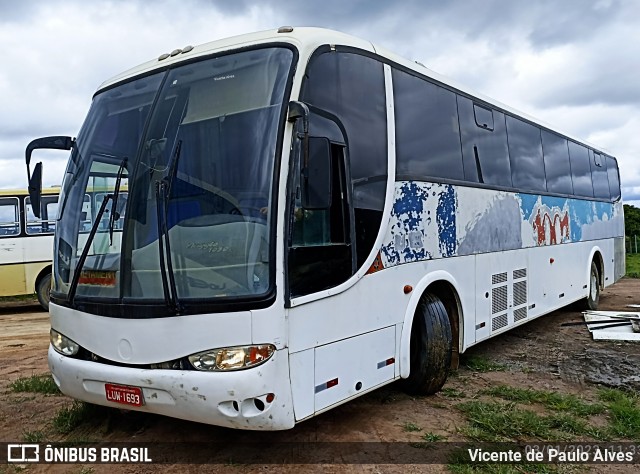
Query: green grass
{"x": 452, "y": 393}
{"x": 10, "y": 299}
{"x": 624, "y": 413}
{"x": 411, "y": 427}
{"x": 433, "y": 438}
{"x": 555, "y": 401}
{"x": 69, "y": 418}
{"x": 35, "y": 384}
{"x": 633, "y": 265}
{"x": 481, "y": 364}
{"x": 497, "y": 421}
{"x": 33, "y": 436}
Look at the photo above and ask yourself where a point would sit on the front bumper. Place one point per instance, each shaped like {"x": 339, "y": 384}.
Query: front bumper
{"x": 231, "y": 399}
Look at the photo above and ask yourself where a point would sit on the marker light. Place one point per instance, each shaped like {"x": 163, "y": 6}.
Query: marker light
{"x": 63, "y": 344}
{"x": 232, "y": 358}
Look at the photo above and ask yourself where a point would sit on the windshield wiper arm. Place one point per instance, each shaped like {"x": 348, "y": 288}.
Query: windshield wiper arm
{"x": 164, "y": 247}
{"x": 163, "y": 187}
{"x": 173, "y": 170}
{"x": 115, "y": 215}
{"x": 85, "y": 251}
{"x": 159, "y": 220}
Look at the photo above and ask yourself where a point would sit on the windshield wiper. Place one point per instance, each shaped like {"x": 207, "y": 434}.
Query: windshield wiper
{"x": 164, "y": 247}
{"x": 115, "y": 215}
{"x": 85, "y": 251}
{"x": 159, "y": 220}
{"x": 169, "y": 287}
{"x": 94, "y": 228}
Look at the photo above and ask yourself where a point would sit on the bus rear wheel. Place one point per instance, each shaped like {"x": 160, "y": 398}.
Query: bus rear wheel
{"x": 430, "y": 347}
{"x": 592, "y": 299}
{"x": 43, "y": 290}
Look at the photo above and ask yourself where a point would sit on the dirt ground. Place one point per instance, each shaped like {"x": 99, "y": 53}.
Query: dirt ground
{"x": 540, "y": 355}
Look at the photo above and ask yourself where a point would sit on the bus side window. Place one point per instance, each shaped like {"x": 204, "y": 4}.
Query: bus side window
{"x": 352, "y": 88}
{"x": 599, "y": 176}
{"x": 556, "y": 163}
{"x": 427, "y": 131}
{"x": 9, "y": 217}
{"x": 46, "y": 223}
{"x": 485, "y": 151}
{"x": 525, "y": 156}
{"x": 580, "y": 170}
{"x": 614, "y": 178}
{"x": 321, "y": 252}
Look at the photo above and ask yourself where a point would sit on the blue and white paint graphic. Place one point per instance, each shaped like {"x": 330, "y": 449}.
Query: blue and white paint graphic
{"x": 430, "y": 220}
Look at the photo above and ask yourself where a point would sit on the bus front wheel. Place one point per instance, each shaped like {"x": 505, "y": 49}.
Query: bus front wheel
{"x": 430, "y": 347}
{"x": 43, "y": 290}
{"x": 592, "y": 299}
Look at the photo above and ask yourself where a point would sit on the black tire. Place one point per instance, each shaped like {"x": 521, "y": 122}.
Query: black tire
{"x": 593, "y": 298}
{"x": 430, "y": 349}
{"x": 43, "y": 290}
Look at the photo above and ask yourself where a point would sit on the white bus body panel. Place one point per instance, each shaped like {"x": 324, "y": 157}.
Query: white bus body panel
{"x": 220, "y": 398}
{"x": 155, "y": 340}
{"x": 223, "y": 399}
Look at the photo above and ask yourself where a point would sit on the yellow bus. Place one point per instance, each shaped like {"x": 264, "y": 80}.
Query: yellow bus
{"x": 26, "y": 244}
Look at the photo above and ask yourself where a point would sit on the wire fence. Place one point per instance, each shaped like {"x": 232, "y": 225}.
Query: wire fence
{"x": 632, "y": 244}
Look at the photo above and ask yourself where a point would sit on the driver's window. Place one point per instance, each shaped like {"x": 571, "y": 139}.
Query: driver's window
{"x": 321, "y": 251}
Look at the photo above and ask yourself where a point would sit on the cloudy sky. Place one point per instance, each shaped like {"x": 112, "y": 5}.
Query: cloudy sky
{"x": 574, "y": 64}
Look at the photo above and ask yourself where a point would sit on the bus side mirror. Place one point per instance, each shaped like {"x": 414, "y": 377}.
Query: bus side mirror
{"x": 35, "y": 189}
{"x": 35, "y": 179}
{"x": 316, "y": 175}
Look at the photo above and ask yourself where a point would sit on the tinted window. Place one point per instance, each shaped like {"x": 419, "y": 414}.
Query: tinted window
{"x": 525, "y": 153}
{"x": 351, "y": 87}
{"x": 556, "y": 163}
{"x": 614, "y": 180}
{"x": 580, "y": 170}
{"x": 484, "y": 117}
{"x": 484, "y": 152}
{"x": 427, "y": 132}
{"x": 599, "y": 176}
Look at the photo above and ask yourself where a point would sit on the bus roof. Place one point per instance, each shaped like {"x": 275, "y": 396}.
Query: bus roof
{"x": 307, "y": 39}
{"x": 302, "y": 37}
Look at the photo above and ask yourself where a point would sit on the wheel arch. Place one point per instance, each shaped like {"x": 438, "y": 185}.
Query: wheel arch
{"x": 45, "y": 271}
{"x": 445, "y": 286}
{"x": 596, "y": 257}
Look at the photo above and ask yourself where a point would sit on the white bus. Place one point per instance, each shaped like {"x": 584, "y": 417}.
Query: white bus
{"x": 26, "y": 244}
{"x": 310, "y": 217}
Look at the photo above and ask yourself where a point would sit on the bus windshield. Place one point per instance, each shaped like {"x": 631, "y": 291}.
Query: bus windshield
{"x": 193, "y": 150}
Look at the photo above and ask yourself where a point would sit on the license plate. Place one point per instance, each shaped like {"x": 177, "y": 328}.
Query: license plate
{"x": 124, "y": 394}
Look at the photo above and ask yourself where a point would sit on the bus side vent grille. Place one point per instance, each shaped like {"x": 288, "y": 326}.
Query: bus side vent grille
{"x": 499, "y": 299}
{"x": 520, "y": 314}
{"x": 498, "y": 278}
{"x": 519, "y": 293}
{"x": 499, "y": 322}
{"x": 521, "y": 273}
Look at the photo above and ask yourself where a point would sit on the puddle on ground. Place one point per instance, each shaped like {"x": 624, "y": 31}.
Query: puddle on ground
{"x": 601, "y": 366}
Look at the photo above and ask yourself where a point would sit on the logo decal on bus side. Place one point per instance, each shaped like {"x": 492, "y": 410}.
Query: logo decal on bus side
{"x": 432, "y": 220}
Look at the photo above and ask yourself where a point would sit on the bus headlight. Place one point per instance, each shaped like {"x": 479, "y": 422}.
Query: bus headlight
{"x": 63, "y": 344}
{"x": 232, "y": 358}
